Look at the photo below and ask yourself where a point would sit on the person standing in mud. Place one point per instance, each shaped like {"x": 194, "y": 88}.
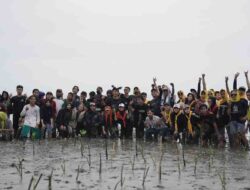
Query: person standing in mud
{"x": 123, "y": 120}
{"x": 58, "y": 100}
{"x": 31, "y": 115}
{"x": 222, "y": 117}
{"x": 92, "y": 122}
{"x": 208, "y": 127}
{"x": 17, "y": 103}
{"x": 139, "y": 115}
{"x": 238, "y": 113}
{"x": 5, "y": 99}
{"x": 83, "y": 99}
{"x": 248, "y": 113}
{"x": 47, "y": 118}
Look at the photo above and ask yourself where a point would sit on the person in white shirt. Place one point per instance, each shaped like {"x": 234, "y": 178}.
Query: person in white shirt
{"x": 31, "y": 114}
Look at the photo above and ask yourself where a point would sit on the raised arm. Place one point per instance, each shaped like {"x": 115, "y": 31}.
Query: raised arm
{"x": 199, "y": 89}
{"x": 155, "y": 85}
{"x": 247, "y": 80}
{"x": 204, "y": 82}
{"x": 227, "y": 87}
{"x": 173, "y": 89}
{"x": 235, "y": 81}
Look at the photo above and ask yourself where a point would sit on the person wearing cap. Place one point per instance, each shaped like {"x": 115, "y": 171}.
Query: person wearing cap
{"x": 122, "y": 119}
{"x": 109, "y": 128}
{"x": 17, "y": 103}
{"x": 166, "y": 95}
{"x": 92, "y": 122}
{"x": 173, "y": 117}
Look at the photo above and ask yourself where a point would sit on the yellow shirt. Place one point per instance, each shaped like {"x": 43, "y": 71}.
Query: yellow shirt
{"x": 3, "y": 120}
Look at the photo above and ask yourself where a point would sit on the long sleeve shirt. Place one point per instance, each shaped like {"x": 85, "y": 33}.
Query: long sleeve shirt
{"x": 31, "y": 115}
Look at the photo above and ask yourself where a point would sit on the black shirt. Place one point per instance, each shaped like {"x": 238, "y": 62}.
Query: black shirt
{"x": 17, "y": 104}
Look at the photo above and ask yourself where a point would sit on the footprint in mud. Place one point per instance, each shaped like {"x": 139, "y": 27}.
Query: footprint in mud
{"x": 160, "y": 187}
{"x": 8, "y": 188}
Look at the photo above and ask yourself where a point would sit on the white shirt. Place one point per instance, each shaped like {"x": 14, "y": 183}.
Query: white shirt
{"x": 31, "y": 115}
{"x": 59, "y": 104}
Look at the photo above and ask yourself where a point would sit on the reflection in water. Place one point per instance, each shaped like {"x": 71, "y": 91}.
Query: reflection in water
{"x": 76, "y": 165}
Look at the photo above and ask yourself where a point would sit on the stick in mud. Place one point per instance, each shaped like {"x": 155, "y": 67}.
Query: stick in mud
{"x": 20, "y": 167}
{"x": 160, "y": 166}
{"x": 31, "y": 181}
{"x": 100, "y": 167}
{"x": 183, "y": 156}
{"x": 89, "y": 160}
{"x": 50, "y": 180}
{"x": 78, "y": 171}
{"x": 145, "y": 176}
{"x": 82, "y": 147}
{"x": 195, "y": 163}
{"x": 106, "y": 149}
{"x": 136, "y": 149}
{"x": 39, "y": 179}
{"x": 122, "y": 179}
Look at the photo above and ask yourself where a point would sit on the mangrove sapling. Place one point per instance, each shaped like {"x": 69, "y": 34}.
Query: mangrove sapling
{"x": 222, "y": 178}
{"x": 89, "y": 160}
{"x": 183, "y": 156}
{"x": 106, "y": 149}
{"x": 145, "y": 174}
{"x": 160, "y": 166}
{"x": 122, "y": 178}
{"x": 50, "y": 180}
{"x": 31, "y": 181}
{"x": 100, "y": 166}
{"x": 78, "y": 172}
{"x": 195, "y": 163}
{"x": 143, "y": 156}
{"x": 178, "y": 160}
{"x": 63, "y": 166}
{"x": 136, "y": 149}
{"x": 39, "y": 179}
{"x": 19, "y": 167}
{"x": 152, "y": 158}
{"x": 132, "y": 162}
{"x": 82, "y": 147}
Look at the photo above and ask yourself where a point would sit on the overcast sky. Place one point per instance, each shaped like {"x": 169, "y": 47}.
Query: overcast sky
{"x": 52, "y": 44}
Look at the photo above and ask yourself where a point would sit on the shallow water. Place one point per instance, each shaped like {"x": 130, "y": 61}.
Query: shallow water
{"x": 49, "y": 155}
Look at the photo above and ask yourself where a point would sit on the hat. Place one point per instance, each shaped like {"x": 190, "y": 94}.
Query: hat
{"x": 121, "y": 105}
{"x": 177, "y": 106}
{"x": 242, "y": 88}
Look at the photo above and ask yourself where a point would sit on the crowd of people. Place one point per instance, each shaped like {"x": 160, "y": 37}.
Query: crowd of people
{"x": 202, "y": 116}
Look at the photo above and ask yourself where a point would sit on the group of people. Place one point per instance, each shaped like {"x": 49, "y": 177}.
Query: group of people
{"x": 203, "y": 116}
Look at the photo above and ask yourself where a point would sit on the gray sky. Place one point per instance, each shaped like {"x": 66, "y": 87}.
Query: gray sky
{"x": 60, "y": 43}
